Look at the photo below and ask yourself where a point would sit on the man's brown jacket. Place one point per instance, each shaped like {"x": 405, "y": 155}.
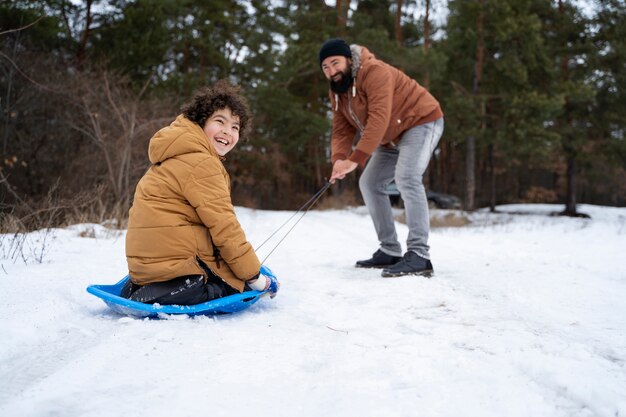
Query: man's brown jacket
{"x": 381, "y": 105}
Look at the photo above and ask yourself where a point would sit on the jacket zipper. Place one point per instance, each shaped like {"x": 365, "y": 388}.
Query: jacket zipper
{"x": 354, "y": 117}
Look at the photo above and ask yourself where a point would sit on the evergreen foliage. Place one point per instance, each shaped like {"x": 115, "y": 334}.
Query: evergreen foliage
{"x": 543, "y": 108}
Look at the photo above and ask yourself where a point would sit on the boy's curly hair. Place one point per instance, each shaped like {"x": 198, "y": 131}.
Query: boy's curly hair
{"x": 221, "y": 95}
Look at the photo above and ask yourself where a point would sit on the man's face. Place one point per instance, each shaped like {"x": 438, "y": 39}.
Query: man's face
{"x": 335, "y": 68}
{"x": 222, "y": 129}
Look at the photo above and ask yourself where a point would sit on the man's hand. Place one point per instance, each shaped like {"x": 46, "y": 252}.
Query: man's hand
{"x": 341, "y": 168}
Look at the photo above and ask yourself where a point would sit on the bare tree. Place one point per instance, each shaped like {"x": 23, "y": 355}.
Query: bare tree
{"x": 12, "y": 70}
{"x": 113, "y": 117}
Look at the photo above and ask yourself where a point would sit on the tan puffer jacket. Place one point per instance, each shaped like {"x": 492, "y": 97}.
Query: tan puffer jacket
{"x": 182, "y": 211}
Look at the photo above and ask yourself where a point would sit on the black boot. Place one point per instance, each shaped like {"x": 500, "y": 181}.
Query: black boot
{"x": 411, "y": 264}
{"x": 378, "y": 260}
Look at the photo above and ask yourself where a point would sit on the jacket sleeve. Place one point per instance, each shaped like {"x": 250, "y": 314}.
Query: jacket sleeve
{"x": 342, "y": 135}
{"x": 378, "y": 86}
{"x": 208, "y": 192}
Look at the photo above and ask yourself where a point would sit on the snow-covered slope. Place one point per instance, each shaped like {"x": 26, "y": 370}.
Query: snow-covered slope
{"x": 526, "y": 316}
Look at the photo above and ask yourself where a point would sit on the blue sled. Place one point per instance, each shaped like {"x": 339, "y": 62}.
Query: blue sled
{"x": 110, "y": 294}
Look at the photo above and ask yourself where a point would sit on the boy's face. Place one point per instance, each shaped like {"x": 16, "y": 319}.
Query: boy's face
{"x": 222, "y": 129}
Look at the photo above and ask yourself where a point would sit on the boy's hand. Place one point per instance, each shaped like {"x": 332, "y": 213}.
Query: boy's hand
{"x": 266, "y": 281}
{"x": 272, "y": 282}
{"x": 272, "y": 286}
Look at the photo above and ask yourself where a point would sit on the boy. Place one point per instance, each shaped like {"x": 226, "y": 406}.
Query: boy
{"x": 184, "y": 244}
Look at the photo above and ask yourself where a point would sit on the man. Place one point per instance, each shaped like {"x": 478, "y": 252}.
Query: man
{"x": 398, "y": 124}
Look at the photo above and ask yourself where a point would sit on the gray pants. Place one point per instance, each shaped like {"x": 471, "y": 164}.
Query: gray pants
{"x": 406, "y": 163}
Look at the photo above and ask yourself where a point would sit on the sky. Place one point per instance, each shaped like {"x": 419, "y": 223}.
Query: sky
{"x": 439, "y": 9}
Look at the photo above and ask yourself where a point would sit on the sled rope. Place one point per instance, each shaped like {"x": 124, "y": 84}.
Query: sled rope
{"x": 304, "y": 209}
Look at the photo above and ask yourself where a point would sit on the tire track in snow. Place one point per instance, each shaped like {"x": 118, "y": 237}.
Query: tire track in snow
{"x": 31, "y": 364}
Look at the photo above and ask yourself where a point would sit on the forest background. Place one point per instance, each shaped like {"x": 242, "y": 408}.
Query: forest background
{"x": 533, "y": 91}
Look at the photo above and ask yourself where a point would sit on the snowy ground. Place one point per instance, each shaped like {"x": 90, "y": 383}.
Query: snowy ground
{"x": 526, "y": 316}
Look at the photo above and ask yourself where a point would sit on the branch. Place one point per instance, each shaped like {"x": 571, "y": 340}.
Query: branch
{"x": 115, "y": 108}
{"x": 4, "y": 180}
{"x": 22, "y": 28}
{"x": 43, "y": 87}
{"x": 143, "y": 88}
{"x": 87, "y": 133}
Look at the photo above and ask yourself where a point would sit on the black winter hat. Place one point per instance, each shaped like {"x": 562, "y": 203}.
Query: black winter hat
{"x": 334, "y": 47}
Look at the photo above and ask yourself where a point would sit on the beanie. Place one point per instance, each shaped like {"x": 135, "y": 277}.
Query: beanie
{"x": 334, "y": 47}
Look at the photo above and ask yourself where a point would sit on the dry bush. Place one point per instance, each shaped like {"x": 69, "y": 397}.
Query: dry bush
{"x": 441, "y": 218}
{"x": 27, "y": 228}
{"x": 337, "y": 201}
{"x": 89, "y": 232}
{"x": 75, "y": 143}
{"x": 17, "y": 224}
{"x": 539, "y": 195}
{"x": 451, "y": 219}
{"x": 116, "y": 122}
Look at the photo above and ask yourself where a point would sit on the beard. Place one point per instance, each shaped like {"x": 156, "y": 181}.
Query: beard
{"x": 344, "y": 83}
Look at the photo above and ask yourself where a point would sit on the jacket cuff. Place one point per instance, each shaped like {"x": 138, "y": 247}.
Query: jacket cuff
{"x": 359, "y": 157}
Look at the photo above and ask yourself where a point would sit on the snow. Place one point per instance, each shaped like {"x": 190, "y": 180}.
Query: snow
{"x": 525, "y": 316}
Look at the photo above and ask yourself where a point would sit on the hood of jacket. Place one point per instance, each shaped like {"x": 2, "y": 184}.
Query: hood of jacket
{"x": 181, "y": 137}
{"x": 360, "y": 56}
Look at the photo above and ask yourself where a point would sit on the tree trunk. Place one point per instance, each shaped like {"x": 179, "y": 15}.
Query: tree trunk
{"x": 470, "y": 190}
{"x": 570, "y": 152}
{"x": 398, "y": 23}
{"x": 316, "y": 144}
{"x": 81, "y": 53}
{"x": 443, "y": 167}
{"x": 433, "y": 171}
{"x": 570, "y": 203}
{"x": 492, "y": 178}
{"x": 342, "y": 16}
{"x": 8, "y": 113}
{"x": 470, "y": 173}
{"x": 426, "y": 82}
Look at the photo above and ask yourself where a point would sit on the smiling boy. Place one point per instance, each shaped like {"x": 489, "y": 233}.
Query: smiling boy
{"x": 184, "y": 244}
